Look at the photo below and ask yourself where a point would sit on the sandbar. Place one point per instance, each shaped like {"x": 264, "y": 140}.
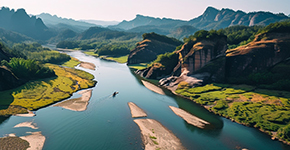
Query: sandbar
{"x": 153, "y": 87}
{"x": 136, "y": 111}
{"x": 29, "y": 114}
{"x": 88, "y": 65}
{"x": 189, "y": 118}
{"x": 36, "y": 140}
{"x": 77, "y": 104}
{"x": 156, "y": 136}
{"x": 26, "y": 124}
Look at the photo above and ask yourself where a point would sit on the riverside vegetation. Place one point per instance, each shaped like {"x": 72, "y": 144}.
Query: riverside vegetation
{"x": 39, "y": 75}
{"x": 260, "y": 98}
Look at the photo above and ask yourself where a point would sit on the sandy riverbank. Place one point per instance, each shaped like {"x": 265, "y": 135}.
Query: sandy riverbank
{"x": 136, "y": 111}
{"x": 77, "y": 104}
{"x": 29, "y": 114}
{"x": 189, "y": 118}
{"x": 88, "y": 65}
{"x": 36, "y": 140}
{"x": 26, "y": 124}
{"x": 153, "y": 87}
{"x": 156, "y": 136}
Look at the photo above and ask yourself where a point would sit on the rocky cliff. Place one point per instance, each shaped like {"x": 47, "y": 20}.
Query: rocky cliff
{"x": 151, "y": 46}
{"x": 260, "y": 55}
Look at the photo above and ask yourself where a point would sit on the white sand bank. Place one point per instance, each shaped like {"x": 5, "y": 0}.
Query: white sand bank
{"x": 156, "y": 136}
{"x": 153, "y": 87}
{"x": 36, "y": 140}
{"x": 26, "y": 124}
{"x": 189, "y": 118}
{"x": 29, "y": 114}
{"x": 136, "y": 111}
{"x": 77, "y": 104}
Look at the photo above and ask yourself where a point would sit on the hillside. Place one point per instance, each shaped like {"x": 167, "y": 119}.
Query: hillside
{"x": 101, "y": 23}
{"x": 212, "y": 18}
{"x": 19, "y": 21}
{"x": 54, "y": 21}
{"x": 141, "y": 20}
{"x": 10, "y": 37}
{"x": 248, "y": 84}
{"x": 151, "y": 46}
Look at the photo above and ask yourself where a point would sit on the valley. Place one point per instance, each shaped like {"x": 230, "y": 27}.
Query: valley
{"x": 220, "y": 80}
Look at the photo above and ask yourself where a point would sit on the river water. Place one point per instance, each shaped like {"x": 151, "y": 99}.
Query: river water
{"x": 107, "y": 122}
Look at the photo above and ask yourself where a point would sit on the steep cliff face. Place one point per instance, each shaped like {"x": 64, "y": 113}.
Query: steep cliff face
{"x": 194, "y": 55}
{"x": 151, "y": 46}
{"x": 199, "y": 61}
{"x": 159, "y": 70}
{"x": 266, "y": 51}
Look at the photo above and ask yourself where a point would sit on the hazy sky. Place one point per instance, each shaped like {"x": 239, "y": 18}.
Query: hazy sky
{"x": 117, "y": 10}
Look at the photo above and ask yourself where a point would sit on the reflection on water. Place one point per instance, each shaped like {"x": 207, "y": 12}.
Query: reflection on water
{"x": 107, "y": 122}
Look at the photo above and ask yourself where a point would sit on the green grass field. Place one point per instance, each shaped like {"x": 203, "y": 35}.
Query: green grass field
{"x": 139, "y": 66}
{"x": 267, "y": 110}
{"x": 122, "y": 59}
{"x": 36, "y": 94}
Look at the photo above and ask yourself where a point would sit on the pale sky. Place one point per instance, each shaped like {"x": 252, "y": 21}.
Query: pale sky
{"x": 114, "y": 10}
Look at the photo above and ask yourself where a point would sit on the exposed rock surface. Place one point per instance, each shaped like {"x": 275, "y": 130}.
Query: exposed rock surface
{"x": 267, "y": 50}
{"x": 151, "y": 46}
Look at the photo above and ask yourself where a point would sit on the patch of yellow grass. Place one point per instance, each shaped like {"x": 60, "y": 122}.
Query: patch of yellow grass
{"x": 37, "y": 94}
{"x": 71, "y": 63}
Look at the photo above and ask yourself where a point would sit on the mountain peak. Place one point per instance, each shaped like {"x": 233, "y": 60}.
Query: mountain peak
{"x": 210, "y": 8}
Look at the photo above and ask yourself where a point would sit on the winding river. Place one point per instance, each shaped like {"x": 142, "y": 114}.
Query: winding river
{"x": 107, "y": 122}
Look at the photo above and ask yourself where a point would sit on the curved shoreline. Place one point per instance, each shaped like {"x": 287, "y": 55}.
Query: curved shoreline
{"x": 156, "y": 136}
{"x": 272, "y": 135}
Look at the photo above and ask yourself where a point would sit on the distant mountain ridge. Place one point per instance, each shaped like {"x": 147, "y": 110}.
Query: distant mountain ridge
{"x": 141, "y": 20}
{"x": 19, "y": 21}
{"x": 101, "y": 23}
{"x": 212, "y": 18}
{"x": 54, "y": 21}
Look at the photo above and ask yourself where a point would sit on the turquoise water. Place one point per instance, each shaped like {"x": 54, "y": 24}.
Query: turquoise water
{"x": 107, "y": 123}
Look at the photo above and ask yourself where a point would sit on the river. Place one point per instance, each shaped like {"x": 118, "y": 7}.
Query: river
{"x": 107, "y": 122}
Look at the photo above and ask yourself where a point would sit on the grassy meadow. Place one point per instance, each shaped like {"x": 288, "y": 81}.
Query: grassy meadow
{"x": 266, "y": 110}
{"x": 39, "y": 93}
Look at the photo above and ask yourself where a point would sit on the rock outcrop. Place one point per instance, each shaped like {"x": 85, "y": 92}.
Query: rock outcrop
{"x": 196, "y": 62}
{"x": 266, "y": 51}
{"x": 151, "y": 46}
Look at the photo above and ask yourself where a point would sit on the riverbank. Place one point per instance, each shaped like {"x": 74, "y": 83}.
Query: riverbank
{"x": 41, "y": 93}
{"x": 156, "y": 136}
{"x": 77, "y": 104}
{"x": 265, "y": 110}
{"x": 153, "y": 87}
{"x": 189, "y": 118}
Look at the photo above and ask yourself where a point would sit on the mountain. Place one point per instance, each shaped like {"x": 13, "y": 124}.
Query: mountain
{"x": 182, "y": 31}
{"x": 10, "y": 37}
{"x": 141, "y": 20}
{"x": 101, "y": 23}
{"x": 213, "y": 18}
{"x": 19, "y": 21}
{"x": 106, "y": 34}
{"x": 64, "y": 23}
{"x": 151, "y": 46}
